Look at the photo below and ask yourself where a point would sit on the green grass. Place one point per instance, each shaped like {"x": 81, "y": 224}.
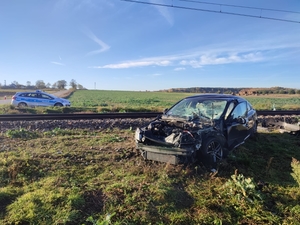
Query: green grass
{"x": 93, "y": 177}
{"x": 284, "y": 102}
{"x": 125, "y": 100}
{"x": 99, "y": 101}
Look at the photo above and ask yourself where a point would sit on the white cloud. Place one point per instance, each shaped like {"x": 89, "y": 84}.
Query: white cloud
{"x": 225, "y": 53}
{"x": 223, "y": 59}
{"x": 194, "y": 60}
{"x": 179, "y": 68}
{"x": 163, "y": 11}
{"x": 103, "y": 46}
{"x": 136, "y": 63}
{"x": 58, "y": 63}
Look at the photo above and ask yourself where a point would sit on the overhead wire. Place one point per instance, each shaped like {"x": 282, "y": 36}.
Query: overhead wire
{"x": 239, "y": 6}
{"x": 220, "y": 11}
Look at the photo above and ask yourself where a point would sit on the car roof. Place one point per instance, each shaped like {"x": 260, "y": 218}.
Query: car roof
{"x": 37, "y": 91}
{"x": 217, "y": 96}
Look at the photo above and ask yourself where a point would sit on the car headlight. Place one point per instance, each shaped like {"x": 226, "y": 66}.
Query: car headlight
{"x": 138, "y": 136}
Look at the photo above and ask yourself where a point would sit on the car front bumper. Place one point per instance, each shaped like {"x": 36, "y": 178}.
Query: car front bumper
{"x": 165, "y": 154}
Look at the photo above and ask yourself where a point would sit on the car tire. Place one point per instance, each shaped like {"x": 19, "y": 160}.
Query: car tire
{"x": 58, "y": 104}
{"x": 22, "y": 105}
{"x": 212, "y": 152}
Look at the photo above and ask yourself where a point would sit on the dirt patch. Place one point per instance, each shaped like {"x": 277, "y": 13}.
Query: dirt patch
{"x": 63, "y": 93}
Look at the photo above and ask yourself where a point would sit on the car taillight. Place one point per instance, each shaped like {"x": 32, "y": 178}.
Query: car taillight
{"x": 14, "y": 97}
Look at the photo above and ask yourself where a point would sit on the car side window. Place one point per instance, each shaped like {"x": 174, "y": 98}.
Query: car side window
{"x": 46, "y": 96}
{"x": 239, "y": 111}
{"x": 32, "y": 95}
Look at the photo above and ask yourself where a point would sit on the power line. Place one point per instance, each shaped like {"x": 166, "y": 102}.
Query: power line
{"x": 215, "y": 11}
{"x": 239, "y": 6}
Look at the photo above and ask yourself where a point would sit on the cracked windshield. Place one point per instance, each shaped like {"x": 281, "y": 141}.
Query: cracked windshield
{"x": 192, "y": 109}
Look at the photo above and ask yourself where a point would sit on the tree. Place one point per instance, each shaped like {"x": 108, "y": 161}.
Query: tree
{"x": 16, "y": 84}
{"x": 54, "y": 86}
{"x": 40, "y": 84}
{"x": 61, "y": 84}
{"x": 28, "y": 83}
{"x": 298, "y": 91}
{"x": 282, "y": 92}
{"x": 292, "y": 91}
{"x": 80, "y": 87}
{"x": 73, "y": 84}
{"x": 48, "y": 85}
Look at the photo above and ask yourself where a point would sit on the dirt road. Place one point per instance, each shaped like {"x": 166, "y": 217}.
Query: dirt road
{"x": 5, "y": 102}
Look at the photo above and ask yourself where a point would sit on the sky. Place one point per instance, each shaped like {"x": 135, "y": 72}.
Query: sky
{"x": 125, "y": 45}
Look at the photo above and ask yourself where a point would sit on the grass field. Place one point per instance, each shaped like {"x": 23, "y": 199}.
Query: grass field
{"x": 125, "y": 100}
{"x": 97, "y": 177}
{"x": 133, "y": 101}
{"x": 158, "y": 101}
{"x": 279, "y": 102}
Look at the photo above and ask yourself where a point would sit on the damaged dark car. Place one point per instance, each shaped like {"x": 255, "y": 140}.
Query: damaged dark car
{"x": 201, "y": 127}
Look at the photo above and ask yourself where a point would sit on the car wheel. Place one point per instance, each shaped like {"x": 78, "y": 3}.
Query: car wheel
{"x": 212, "y": 151}
{"x": 22, "y": 105}
{"x": 58, "y": 104}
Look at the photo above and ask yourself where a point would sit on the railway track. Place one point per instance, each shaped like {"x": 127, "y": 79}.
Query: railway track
{"x": 90, "y": 116}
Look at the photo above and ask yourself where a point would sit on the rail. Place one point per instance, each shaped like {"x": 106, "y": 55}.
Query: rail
{"x": 89, "y": 116}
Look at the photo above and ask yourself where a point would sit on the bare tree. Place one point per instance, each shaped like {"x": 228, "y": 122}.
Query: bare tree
{"x": 40, "y": 84}
{"x": 80, "y": 87}
{"x": 61, "y": 84}
{"x": 48, "y": 85}
{"x": 54, "y": 86}
{"x": 73, "y": 84}
{"x": 28, "y": 83}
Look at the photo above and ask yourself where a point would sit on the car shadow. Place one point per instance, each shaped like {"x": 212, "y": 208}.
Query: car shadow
{"x": 267, "y": 158}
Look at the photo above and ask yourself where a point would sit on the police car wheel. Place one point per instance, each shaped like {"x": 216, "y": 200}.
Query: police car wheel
{"x": 22, "y": 104}
{"x": 58, "y": 104}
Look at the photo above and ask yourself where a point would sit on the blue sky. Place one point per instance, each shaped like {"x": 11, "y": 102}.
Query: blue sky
{"x": 119, "y": 45}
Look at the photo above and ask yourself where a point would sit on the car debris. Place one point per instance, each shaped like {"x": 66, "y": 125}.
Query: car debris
{"x": 201, "y": 127}
{"x": 285, "y": 124}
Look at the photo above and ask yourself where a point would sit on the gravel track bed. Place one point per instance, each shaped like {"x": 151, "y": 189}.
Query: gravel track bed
{"x": 102, "y": 124}
{"x": 97, "y": 124}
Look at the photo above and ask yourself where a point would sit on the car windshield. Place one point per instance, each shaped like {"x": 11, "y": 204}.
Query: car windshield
{"x": 198, "y": 108}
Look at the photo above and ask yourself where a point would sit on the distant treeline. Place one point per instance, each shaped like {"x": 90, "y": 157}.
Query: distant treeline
{"x": 236, "y": 91}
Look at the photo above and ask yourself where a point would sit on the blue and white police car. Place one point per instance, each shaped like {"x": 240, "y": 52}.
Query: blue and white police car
{"x": 38, "y": 98}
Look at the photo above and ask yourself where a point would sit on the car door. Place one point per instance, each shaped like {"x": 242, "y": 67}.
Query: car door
{"x": 31, "y": 99}
{"x": 44, "y": 99}
{"x": 251, "y": 116}
{"x": 237, "y": 125}
{"x": 39, "y": 100}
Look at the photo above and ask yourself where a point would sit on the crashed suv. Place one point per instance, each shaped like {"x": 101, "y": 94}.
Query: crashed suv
{"x": 203, "y": 126}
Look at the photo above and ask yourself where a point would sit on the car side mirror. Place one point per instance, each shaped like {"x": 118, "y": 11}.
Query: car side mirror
{"x": 165, "y": 110}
